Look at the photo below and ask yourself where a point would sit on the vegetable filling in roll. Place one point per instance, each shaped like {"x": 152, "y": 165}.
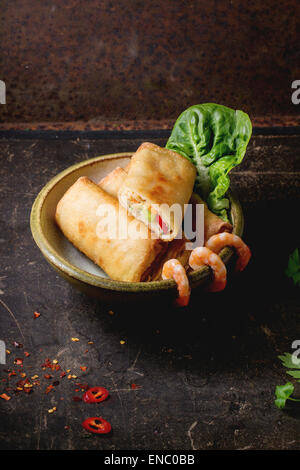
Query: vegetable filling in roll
{"x": 147, "y": 213}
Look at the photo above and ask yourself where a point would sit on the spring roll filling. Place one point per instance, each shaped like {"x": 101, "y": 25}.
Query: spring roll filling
{"x": 146, "y": 212}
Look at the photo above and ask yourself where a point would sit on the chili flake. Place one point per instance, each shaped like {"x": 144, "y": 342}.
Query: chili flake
{"x": 5, "y": 397}
{"x": 83, "y": 386}
{"x": 47, "y": 363}
{"x": 24, "y": 385}
{"x": 53, "y": 366}
{"x": 36, "y": 315}
{"x": 135, "y": 386}
{"x": 18, "y": 361}
{"x": 49, "y": 388}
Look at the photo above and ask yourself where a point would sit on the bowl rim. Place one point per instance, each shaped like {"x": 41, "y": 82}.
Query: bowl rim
{"x": 54, "y": 258}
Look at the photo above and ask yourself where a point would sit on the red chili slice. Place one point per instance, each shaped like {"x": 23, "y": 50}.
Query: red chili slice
{"x": 96, "y": 425}
{"x": 159, "y": 220}
{"x": 161, "y": 223}
{"x": 95, "y": 395}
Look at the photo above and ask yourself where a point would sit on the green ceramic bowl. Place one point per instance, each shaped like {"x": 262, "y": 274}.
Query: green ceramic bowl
{"x": 76, "y": 267}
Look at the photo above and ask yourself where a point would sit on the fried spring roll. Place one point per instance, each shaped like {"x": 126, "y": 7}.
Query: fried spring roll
{"x": 78, "y": 217}
{"x": 112, "y": 182}
{"x": 158, "y": 176}
{"x": 212, "y": 223}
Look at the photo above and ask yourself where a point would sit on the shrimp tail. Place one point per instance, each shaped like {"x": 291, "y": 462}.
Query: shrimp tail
{"x": 183, "y": 301}
{"x": 243, "y": 260}
{"x": 218, "y": 241}
{"x": 217, "y": 286}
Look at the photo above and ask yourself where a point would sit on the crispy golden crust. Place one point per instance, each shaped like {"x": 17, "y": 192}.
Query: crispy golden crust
{"x": 159, "y": 176}
{"x": 212, "y": 223}
{"x": 112, "y": 182}
{"x": 122, "y": 259}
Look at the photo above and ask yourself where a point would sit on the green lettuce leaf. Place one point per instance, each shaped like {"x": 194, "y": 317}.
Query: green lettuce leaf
{"x": 215, "y": 139}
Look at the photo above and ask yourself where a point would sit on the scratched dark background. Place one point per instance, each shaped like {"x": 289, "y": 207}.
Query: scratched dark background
{"x": 120, "y": 60}
{"x": 207, "y": 375}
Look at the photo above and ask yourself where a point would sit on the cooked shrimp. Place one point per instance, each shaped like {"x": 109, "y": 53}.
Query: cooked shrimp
{"x": 204, "y": 256}
{"x": 173, "y": 269}
{"x": 218, "y": 241}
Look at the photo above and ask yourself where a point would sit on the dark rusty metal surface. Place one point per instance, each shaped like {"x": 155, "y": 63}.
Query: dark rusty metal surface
{"x": 207, "y": 376}
{"x": 127, "y": 60}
